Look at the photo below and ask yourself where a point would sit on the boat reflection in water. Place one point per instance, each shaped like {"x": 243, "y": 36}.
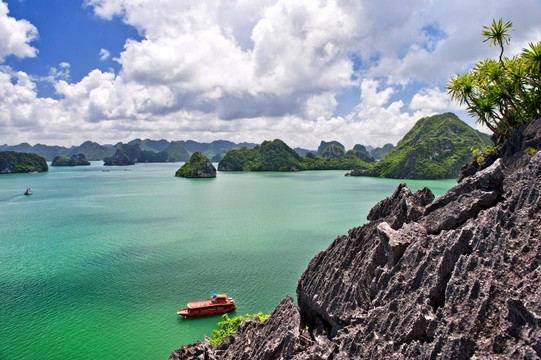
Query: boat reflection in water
{"x": 216, "y": 305}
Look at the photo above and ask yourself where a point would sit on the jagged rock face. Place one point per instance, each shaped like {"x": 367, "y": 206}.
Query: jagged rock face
{"x": 455, "y": 277}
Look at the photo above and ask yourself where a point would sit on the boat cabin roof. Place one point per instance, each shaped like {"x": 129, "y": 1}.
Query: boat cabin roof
{"x": 218, "y": 299}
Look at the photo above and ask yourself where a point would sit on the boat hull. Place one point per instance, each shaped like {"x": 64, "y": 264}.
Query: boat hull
{"x": 202, "y": 312}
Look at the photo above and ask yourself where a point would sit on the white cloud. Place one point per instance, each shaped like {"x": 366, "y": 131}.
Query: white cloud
{"x": 253, "y": 70}
{"x": 433, "y": 99}
{"x": 15, "y": 35}
{"x": 104, "y": 54}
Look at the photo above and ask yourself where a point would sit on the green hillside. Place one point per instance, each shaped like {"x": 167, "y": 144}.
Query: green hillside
{"x": 278, "y": 156}
{"x": 18, "y": 162}
{"x": 435, "y": 148}
{"x": 176, "y": 152}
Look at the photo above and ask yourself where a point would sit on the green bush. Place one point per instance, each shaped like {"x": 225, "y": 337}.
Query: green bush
{"x": 230, "y": 326}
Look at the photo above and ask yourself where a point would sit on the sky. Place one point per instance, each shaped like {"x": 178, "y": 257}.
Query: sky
{"x": 355, "y": 71}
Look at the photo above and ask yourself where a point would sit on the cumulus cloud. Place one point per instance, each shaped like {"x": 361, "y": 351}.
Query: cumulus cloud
{"x": 248, "y": 71}
{"x": 433, "y": 99}
{"x": 15, "y": 35}
{"x": 104, "y": 54}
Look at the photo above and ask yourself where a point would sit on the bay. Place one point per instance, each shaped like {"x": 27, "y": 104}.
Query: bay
{"x": 95, "y": 264}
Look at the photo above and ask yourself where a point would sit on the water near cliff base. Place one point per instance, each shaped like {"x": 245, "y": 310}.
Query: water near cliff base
{"x": 95, "y": 264}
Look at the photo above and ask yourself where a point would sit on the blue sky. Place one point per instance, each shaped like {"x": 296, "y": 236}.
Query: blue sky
{"x": 68, "y": 33}
{"x": 300, "y": 70}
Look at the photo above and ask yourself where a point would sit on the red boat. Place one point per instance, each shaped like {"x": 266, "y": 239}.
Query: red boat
{"x": 218, "y": 304}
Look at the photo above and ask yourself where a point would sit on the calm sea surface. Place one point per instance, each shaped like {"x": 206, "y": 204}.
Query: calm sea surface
{"x": 95, "y": 264}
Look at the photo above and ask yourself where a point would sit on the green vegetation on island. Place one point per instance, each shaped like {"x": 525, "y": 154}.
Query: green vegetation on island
{"x": 176, "y": 152}
{"x": 435, "y": 148}
{"x": 278, "y": 156}
{"x": 19, "y": 162}
{"x": 231, "y": 326}
{"x": 198, "y": 166}
{"x": 333, "y": 151}
{"x": 380, "y": 152}
{"x": 93, "y": 151}
{"x": 215, "y": 150}
{"x": 130, "y": 154}
{"x": 76, "y": 160}
{"x": 324, "y": 145}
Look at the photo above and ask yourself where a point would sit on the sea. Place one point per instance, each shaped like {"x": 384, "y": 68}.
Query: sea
{"x": 94, "y": 264}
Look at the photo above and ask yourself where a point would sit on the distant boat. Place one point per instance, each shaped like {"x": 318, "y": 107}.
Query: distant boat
{"x": 33, "y": 172}
{"x": 216, "y": 305}
{"x": 106, "y": 170}
{"x": 28, "y": 191}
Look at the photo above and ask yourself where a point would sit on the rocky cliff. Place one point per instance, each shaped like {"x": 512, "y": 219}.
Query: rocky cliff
{"x": 455, "y": 277}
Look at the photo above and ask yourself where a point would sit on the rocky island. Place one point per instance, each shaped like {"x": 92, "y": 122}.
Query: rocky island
{"x": 76, "y": 160}
{"x": 198, "y": 166}
{"x": 19, "y": 162}
{"x": 453, "y": 277}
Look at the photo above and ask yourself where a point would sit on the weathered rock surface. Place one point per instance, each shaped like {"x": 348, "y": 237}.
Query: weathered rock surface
{"x": 455, "y": 277}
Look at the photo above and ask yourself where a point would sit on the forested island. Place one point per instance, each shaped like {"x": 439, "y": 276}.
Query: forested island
{"x": 19, "y": 162}
{"x": 198, "y": 166}
{"x": 278, "y": 156}
{"x": 129, "y": 154}
{"x": 76, "y": 160}
{"x": 435, "y": 148}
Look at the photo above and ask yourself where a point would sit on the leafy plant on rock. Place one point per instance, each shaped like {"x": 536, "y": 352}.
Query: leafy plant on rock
{"x": 231, "y": 326}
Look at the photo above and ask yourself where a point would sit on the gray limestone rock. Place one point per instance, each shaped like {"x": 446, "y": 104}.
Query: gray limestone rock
{"x": 456, "y": 277}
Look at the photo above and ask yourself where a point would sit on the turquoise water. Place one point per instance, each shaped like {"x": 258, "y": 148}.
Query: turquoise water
{"x": 95, "y": 264}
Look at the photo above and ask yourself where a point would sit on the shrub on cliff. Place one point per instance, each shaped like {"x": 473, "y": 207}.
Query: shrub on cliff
{"x": 230, "y": 326}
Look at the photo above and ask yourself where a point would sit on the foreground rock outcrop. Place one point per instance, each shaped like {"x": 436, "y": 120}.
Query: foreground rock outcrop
{"x": 455, "y": 277}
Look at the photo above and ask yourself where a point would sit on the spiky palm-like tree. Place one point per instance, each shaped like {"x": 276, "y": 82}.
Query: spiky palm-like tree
{"x": 498, "y": 34}
{"x": 502, "y": 94}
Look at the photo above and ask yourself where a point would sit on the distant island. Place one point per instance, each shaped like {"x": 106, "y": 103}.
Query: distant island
{"x": 435, "y": 148}
{"x": 20, "y": 162}
{"x": 198, "y": 166}
{"x": 176, "y": 150}
{"x": 76, "y": 160}
{"x": 278, "y": 156}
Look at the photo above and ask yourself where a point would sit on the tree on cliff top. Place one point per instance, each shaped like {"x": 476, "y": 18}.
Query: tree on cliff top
{"x": 505, "y": 93}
